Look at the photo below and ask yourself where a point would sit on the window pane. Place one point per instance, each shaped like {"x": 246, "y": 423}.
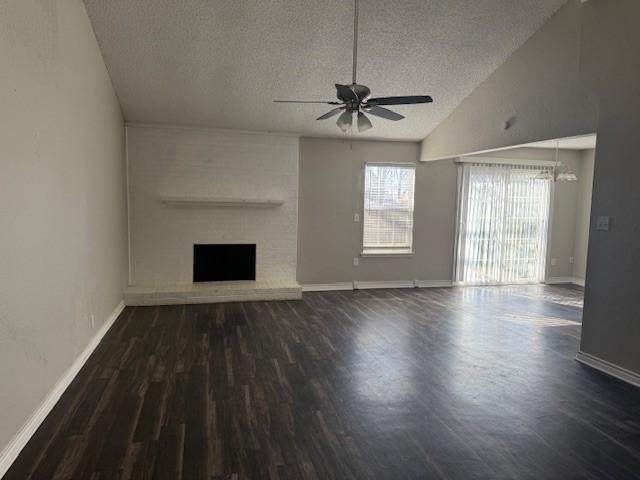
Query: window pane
{"x": 388, "y": 207}
{"x": 503, "y": 224}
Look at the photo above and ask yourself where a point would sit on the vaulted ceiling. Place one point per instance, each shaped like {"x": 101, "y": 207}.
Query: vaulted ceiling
{"x": 220, "y": 63}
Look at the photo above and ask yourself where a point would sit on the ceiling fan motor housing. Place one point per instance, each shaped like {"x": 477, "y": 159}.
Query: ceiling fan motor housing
{"x": 354, "y": 96}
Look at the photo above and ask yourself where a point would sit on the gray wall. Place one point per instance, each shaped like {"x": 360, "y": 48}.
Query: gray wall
{"x": 331, "y": 173}
{"x": 611, "y": 65}
{"x": 563, "y": 228}
{"x": 583, "y": 216}
{"x": 331, "y": 179}
{"x": 63, "y": 223}
{"x": 538, "y": 89}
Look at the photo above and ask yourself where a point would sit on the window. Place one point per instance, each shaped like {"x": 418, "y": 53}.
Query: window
{"x": 503, "y": 222}
{"x": 388, "y": 209}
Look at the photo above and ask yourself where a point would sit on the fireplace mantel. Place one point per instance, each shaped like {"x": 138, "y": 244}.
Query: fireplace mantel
{"x": 221, "y": 202}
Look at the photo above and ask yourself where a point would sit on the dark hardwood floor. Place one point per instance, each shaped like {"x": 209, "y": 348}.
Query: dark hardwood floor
{"x": 464, "y": 383}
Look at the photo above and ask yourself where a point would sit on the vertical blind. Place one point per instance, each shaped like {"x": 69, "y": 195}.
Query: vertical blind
{"x": 388, "y": 208}
{"x": 503, "y": 220}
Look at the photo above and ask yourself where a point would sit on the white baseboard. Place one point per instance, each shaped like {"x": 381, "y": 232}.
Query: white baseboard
{"x": 558, "y": 280}
{"x": 327, "y": 287}
{"x": 357, "y": 285}
{"x": 388, "y": 284}
{"x": 565, "y": 280}
{"x": 18, "y": 442}
{"x": 434, "y": 283}
{"x": 609, "y": 368}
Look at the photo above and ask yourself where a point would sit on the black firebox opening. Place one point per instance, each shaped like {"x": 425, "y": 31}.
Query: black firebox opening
{"x": 220, "y": 262}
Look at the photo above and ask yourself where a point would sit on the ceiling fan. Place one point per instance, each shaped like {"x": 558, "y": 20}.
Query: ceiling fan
{"x": 354, "y": 99}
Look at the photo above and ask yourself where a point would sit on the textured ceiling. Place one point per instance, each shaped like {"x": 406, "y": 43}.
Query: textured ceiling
{"x": 219, "y": 63}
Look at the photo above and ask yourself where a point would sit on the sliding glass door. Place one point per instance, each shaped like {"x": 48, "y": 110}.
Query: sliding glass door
{"x": 503, "y": 218}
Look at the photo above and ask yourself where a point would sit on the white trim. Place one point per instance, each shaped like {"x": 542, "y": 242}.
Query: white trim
{"x": 609, "y": 368}
{"x": 558, "y": 280}
{"x": 392, "y": 164}
{"x": 327, "y": 287}
{"x": 380, "y": 254}
{"x": 507, "y": 161}
{"x": 564, "y": 280}
{"x": 384, "y": 284}
{"x": 434, "y": 283}
{"x": 497, "y": 149}
{"x": 358, "y": 285}
{"x": 20, "y": 439}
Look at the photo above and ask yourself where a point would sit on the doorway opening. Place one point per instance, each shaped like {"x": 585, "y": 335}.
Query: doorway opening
{"x": 503, "y": 224}
{"x": 523, "y": 214}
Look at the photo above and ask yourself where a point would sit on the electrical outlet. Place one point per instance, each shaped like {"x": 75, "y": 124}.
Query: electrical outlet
{"x": 554, "y": 261}
{"x": 356, "y": 217}
{"x": 93, "y": 321}
{"x": 571, "y": 260}
{"x": 356, "y": 261}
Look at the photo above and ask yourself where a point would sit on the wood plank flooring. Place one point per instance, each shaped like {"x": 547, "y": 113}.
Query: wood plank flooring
{"x": 462, "y": 383}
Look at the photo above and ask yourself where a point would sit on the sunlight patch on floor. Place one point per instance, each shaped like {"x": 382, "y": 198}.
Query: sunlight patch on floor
{"x": 540, "y": 321}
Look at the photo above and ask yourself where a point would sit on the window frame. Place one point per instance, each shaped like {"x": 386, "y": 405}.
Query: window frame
{"x": 387, "y": 251}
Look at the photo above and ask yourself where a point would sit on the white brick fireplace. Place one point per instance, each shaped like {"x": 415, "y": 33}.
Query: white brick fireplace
{"x": 204, "y": 186}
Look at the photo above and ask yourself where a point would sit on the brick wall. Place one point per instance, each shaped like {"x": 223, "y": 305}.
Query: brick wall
{"x": 171, "y": 161}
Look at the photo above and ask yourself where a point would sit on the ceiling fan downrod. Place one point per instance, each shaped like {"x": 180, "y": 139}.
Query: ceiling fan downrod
{"x": 355, "y": 42}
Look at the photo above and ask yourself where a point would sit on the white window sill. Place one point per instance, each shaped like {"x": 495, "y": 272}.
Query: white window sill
{"x": 387, "y": 253}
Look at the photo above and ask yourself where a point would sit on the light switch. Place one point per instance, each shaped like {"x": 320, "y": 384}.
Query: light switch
{"x": 356, "y": 217}
{"x": 603, "y": 222}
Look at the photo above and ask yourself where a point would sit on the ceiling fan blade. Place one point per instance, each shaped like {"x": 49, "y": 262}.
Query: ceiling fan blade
{"x": 400, "y": 100}
{"x": 306, "y": 101}
{"x": 364, "y": 123}
{"x": 345, "y": 93}
{"x": 383, "y": 112}
{"x": 345, "y": 120}
{"x": 330, "y": 113}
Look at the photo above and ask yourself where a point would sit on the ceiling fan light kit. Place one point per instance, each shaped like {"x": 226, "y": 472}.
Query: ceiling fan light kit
{"x": 345, "y": 120}
{"x": 566, "y": 176}
{"x": 559, "y": 173}
{"x": 364, "y": 123}
{"x": 356, "y": 99}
